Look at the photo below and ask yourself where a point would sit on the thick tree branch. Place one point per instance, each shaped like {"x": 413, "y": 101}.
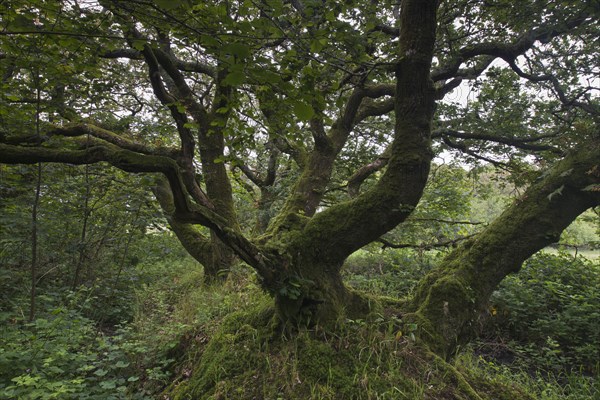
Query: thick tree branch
{"x": 272, "y": 165}
{"x": 451, "y": 296}
{"x": 296, "y": 152}
{"x": 186, "y": 96}
{"x": 250, "y": 174}
{"x": 443, "y": 221}
{"x": 197, "y": 245}
{"x": 388, "y": 30}
{"x": 520, "y": 143}
{"x": 588, "y": 107}
{"x": 111, "y": 137}
{"x": 356, "y": 180}
{"x": 181, "y": 121}
{"x": 342, "y": 127}
{"x": 334, "y": 233}
{"x": 129, "y": 161}
{"x": 187, "y": 66}
{"x": 380, "y": 90}
{"x": 311, "y": 186}
{"x": 374, "y": 109}
{"x": 465, "y": 149}
{"x": 507, "y": 51}
{"x": 323, "y": 142}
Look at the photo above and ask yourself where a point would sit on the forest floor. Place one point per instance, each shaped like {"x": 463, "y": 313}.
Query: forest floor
{"x": 164, "y": 335}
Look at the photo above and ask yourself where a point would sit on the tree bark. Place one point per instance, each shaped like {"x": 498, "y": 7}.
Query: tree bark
{"x": 195, "y": 243}
{"x": 34, "y": 244}
{"x": 449, "y": 300}
{"x": 309, "y": 286}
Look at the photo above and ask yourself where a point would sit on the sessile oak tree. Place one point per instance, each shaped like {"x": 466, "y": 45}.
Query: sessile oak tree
{"x": 271, "y": 94}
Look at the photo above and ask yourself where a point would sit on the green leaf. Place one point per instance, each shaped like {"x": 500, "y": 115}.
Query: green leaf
{"x": 303, "y": 111}
{"x": 190, "y": 125}
{"x": 567, "y": 172}
{"x": 316, "y": 46}
{"x": 168, "y": 4}
{"x": 138, "y": 44}
{"x": 238, "y": 49}
{"x": 266, "y": 76}
{"x": 235, "y": 78}
{"x": 108, "y": 385}
{"x": 209, "y": 41}
{"x": 557, "y": 191}
{"x": 594, "y": 187}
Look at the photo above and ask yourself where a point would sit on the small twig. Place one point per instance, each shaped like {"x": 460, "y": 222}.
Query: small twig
{"x": 423, "y": 246}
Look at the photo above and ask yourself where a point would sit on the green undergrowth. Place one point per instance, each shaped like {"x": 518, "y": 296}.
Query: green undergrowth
{"x": 180, "y": 339}
{"x": 70, "y": 351}
{"x": 546, "y": 318}
{"x": 251, "y": 356}
{"x": 543, "y": 386}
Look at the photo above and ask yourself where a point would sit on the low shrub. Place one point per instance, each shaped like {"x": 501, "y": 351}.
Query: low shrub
{"x": 548, "y": 315}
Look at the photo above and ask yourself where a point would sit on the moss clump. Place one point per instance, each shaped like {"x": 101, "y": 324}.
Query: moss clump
{"x": 232, "y": 356}
{"x": 445, "y": 308}
{"x": 325, "y": 367}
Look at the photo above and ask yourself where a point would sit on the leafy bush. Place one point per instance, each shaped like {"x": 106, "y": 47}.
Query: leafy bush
{"x": 62, "y": 356}
{"x": 549, "y": 313}
{"x": 73, "y": 350}
{"x": 572, "y": 386}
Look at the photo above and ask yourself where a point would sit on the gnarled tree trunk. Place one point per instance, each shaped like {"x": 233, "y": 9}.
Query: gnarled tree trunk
{"x": 448, "y": 300}
{"x": 311, "y": 251}
{"x": 204, "y": 248}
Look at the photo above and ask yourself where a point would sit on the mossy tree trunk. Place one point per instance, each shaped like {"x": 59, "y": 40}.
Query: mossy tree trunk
{"x": 198, "y": 245}
{"x": 311, "y": 251}
{"x": 449, "y": 300}
{"x": 206, "y": 248}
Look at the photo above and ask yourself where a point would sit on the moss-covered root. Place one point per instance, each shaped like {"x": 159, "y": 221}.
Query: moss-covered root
{"x": 232, "y": 357}
{"x": 455, "y": 376}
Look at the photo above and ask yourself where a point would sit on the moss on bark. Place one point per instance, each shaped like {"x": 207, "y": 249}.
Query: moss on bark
{"x": 448, "y": 300}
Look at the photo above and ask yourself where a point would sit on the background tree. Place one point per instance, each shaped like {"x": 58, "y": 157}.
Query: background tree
{"x": 305, "y": 80}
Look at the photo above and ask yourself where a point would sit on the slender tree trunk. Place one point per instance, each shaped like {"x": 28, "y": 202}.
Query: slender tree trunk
{"x": 34, "y": 243}
{"x": 220, "y": 193}
{"x": 82, "y": 238}
{"x": 34, "y": 212}
{"x": 195, "y": 243}
{"x": 127, "y": 244}
{"x": 449, "y": 300}
{"x": 265, "y": 203}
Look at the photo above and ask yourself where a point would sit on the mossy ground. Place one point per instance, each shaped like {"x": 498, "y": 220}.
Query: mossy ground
{"x": 251, "y": 356}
